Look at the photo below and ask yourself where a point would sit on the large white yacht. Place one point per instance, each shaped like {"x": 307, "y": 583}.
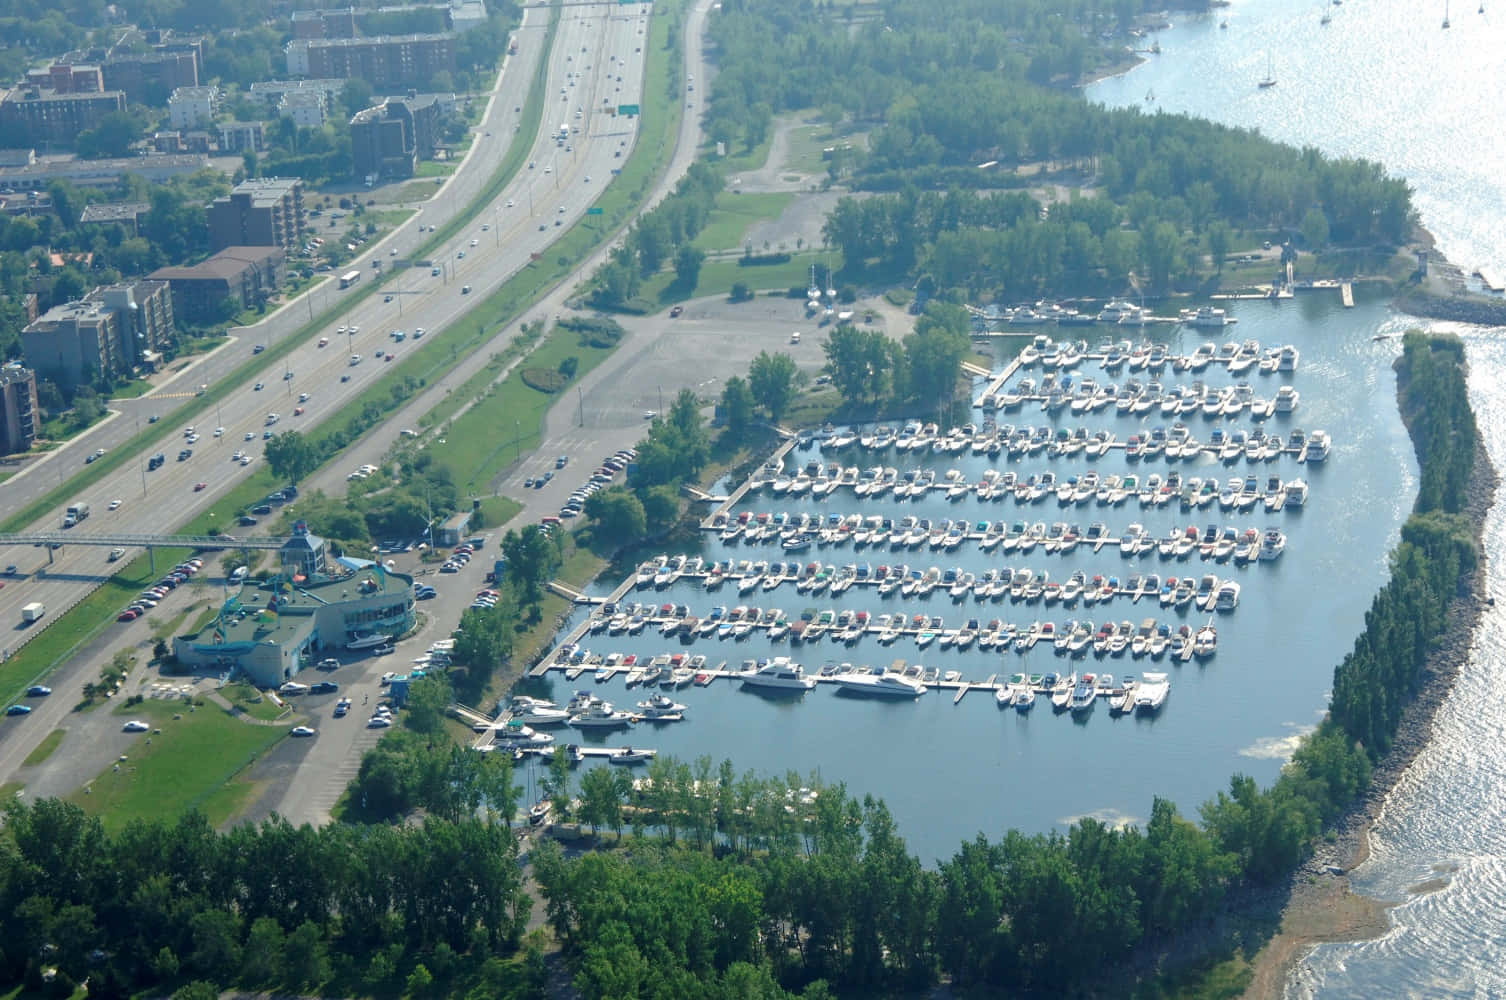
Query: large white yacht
{"x": 778, "y": 673}
{"x": 1151, "y": 692}
{"x": 537, "y": 711}
{"x": 599, "y": 715}
{"x": 885, "y": 685}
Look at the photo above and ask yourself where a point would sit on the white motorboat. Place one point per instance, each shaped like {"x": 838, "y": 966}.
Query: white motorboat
{"x": 778, "y": 673}
{"x": 659, "y": 708}
{"x": 1318, "y": 446}
{"x": 515, "y": 734}
{"x": 1226, "y": 598}
{"x": 1151, "y": 692}
{"x": 599, "y": 715}
{"x": 537, "y": 711}
{"x": 1272, "y": 544}
{"x": 886, "y": 685}
{"x": 632, "y": 757}
{"x": 1083, "y": 695}
{"x": 1286, "y": 399}
{"x": 368, "y": 640}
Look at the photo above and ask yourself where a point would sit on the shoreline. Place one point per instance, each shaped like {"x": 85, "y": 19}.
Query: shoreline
{"x": 1320, "y": 903}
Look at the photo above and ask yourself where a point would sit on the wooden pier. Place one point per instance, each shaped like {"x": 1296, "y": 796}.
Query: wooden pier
{"x": 1346, "y": 294}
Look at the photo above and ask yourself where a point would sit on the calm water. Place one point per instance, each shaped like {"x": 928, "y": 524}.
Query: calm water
{"x": 949, "y": 771}
{"x": 1385, "y": 81}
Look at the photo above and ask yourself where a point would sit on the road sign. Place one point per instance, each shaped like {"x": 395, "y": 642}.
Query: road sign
{"x": 593, "y": 211}
{"x": 627, "y": 109}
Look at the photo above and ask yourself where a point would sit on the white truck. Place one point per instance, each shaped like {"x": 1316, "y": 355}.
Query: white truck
{"x": 76, "y": 512}
{"x": 33, "y": 612}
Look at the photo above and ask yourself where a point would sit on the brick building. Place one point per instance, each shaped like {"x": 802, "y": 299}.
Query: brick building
{"x": 248, "y": 275}
{"x": 112, "y": 330}
{"x": 18, "y": 408}
{"x": 261, "y": 212}
{"x": 389, "y": 139}
{"x": 33, "y": 115}
{"x": 387, "y": 62}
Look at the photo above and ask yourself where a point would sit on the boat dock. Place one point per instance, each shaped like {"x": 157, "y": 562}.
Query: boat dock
{"x": 997, "y": 384}
{"x": 1346, "y": 293}
{"x": 732, "y": 500}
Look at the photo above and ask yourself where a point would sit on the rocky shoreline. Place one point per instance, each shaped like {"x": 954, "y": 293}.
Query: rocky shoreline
{"x": 1319, "y": 904}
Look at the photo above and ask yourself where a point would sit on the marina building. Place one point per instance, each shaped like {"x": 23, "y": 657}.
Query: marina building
{"x": 314, "y": 607}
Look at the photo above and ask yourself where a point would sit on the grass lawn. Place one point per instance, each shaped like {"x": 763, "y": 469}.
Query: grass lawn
{"x": 131, "y": 390}
{"x": 188, "y": 765}
{"x": 806, "y": 144}
{"x": 436, "y": 168}
{"x": 251, "y": 701}
{"x": 497, "y": 511}
{"x": 44, "y": 749}
{"x": 735, "y": 213}
{"x": 720, "y": 274}
{"x": 492, "y": 434}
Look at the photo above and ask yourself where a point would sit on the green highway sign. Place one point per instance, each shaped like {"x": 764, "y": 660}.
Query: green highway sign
{"x": 627, "y": 109}
{"x": 593, "y": 211}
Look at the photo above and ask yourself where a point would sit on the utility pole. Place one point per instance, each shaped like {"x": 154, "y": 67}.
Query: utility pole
{"x": 581, "y": 403}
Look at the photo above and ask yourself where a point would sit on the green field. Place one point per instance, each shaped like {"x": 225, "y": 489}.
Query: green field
{"x": 45, "y": 748}
{"x": 190, "y": 764}
{"x": 719, "y": 274}
{"x": 491, "y": 435}
{"x": 251, "y": 701}
{"x": 735, "y": 213}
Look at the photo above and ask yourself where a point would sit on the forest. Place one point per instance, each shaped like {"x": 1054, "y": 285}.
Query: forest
{"x": 956, "y": 97}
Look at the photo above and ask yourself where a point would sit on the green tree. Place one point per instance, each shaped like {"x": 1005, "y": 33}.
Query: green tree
{"x": 1220, "y": 238}
{"x": 263, "y": 953}
{"x": 291, "y": 456}
{"x": 1315, "y": 229}
{"x": 429, "y": 700}
{"x": 688, "y": 261}
{"x": 737, "y": 405}
{"x": 771, "y": 379}
{"x": 601, "y": 804}
{"x": 113, "y": 136}
{"x": 859, "y": 362}
{"x": 661, "y": 506}
{"x": 618, "y": 515}
{"x": 420, "y": 982}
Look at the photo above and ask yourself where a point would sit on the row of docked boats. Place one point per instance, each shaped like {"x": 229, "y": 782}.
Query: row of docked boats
{"x": 1136, "y": 398}
{"x": 1058, "y": 538}
{"x": 1206, "y": 593}
{"x": 1079, "y": 693}
{"x": 819, "y": 479}
{"x": 848, "y": 627}
{"x": 1237, "y": 492}
{"x": 1151, "y": 357}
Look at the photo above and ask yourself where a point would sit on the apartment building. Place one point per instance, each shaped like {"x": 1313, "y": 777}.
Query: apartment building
{"x": 31, "y": 115}
{"x": 18, "y": 408}
{"x": 261, "y": 212}
{"x": 387, "y": 62}
{"x": 110, "y": 331}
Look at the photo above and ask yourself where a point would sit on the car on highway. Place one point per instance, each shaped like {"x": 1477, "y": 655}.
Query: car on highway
{"x": 219, "y": 432}
{"x": 474, "y": 242}
{"x": 135, "y": 726}
{"x": 185, "y": 454}
{"x": 115, "y": 554}
{"x": 509, "y": 203}
{"x": 115, "y": 504}
{"x": 460, "y": 255}
{"x": 433, "y": 272}
{"x": 287, "y": 376}
{"x": 199, "y": 487}
{"x": 323, "y": 341}
{"x": 324, "y": 687}
{"x": 258, "y": 387}
{"x": 297, "y": 411}
{"x": 95, "y": 457}
{"x": 300, "y": 731}
{"x": 38, "y": 691}
{"x": 465, "y": 290}
{"x": 387, "y": 299}
{"x": 676, "y": 311}
{"x": 18, "y": 710}
{"x": 258, "y": 348}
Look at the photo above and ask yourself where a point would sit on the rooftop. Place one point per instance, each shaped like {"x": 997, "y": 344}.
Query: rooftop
{"x": 114, "y": 211}
{"x": 264, "y": 614}
{"x": 371, "y": 40}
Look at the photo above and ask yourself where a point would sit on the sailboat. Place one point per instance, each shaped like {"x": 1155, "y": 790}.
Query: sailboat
{"x": 1445, "y": 13}
{"x": 1269, "y": 80}
{"x": 1327, "y": 17}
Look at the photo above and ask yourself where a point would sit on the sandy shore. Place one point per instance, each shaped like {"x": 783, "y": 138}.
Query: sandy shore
{"x": 1320, "y": 905}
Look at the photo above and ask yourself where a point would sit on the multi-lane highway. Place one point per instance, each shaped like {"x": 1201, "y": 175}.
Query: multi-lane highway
{"x": 595, "y": 45}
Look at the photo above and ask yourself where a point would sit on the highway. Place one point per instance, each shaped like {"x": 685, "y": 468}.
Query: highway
{"x": 594, "y": 46}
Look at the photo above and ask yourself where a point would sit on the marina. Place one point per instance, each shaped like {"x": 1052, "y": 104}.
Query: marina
{"x": 848, "y": 566}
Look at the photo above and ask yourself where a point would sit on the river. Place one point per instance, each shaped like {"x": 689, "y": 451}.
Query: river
{"x": 1384, "y": 80}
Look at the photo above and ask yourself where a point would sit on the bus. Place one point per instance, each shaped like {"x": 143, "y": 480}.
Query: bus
{"x": 349, "y": 278}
